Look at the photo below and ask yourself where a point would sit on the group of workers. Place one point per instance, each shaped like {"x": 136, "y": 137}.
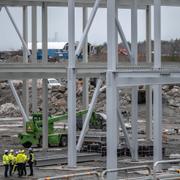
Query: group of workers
{"x": 16, "y": 161}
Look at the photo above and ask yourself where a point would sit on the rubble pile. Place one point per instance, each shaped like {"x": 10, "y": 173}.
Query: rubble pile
{"x": 171, "y": 94}
{"x": 9, "y": 109}
{"x": 57, "y": 98}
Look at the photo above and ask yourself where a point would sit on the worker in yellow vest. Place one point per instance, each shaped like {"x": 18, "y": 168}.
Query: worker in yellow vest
{"x": 24, "y": 163}
{"x": 19, "y": 162}
{"x": 15, "y": 162}
{"x": 31, "y": 160}
{"x": 11, "y": 161}
{"x": 6, "y": 163}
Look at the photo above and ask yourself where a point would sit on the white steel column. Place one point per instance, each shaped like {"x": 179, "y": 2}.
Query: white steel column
{"x": 45, "y": 87}
{"x": 34, "y": 56}
{"x": 134, "y": 100}
{"x": 72, "y": 154}
{"x": 111, "y": 91}
{"x": 25, "y": 90}
{"x": 85, "y": 59}
{"x": 148, "y": 88}
{"x": 157, "y": 104}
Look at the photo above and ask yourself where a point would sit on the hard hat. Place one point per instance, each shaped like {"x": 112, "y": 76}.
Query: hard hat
{"x": 11, "y": 151}
{"x": 6, "y": 151}
{"x": 22, "y": 151}
{"x": 16, "y": 152}
{"x": 30, "y": 149}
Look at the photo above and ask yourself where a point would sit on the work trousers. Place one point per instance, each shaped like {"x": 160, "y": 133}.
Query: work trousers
{"x": 20, "y": 169}
{"x": 11, "y": 169}
{"x": 24, "y": 169}
{"x": 31, "y": 168}
{"x": 6, "y": 168}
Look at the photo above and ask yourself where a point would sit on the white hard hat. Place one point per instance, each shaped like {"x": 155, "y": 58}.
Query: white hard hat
{"x": 6, "y": 151}
{"x": 11, "y": 151}
{"x": 30, "y": 149}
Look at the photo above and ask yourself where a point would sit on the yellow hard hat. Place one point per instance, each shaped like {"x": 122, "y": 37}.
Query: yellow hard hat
{"x": 22, "y": 151}
{"x": 11, "y": 151}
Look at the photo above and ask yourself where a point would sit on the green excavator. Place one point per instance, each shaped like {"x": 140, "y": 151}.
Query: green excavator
{"x": 33, "y": 134}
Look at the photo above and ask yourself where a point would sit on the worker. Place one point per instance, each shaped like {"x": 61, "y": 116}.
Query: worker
{"x": 20, "y": 161}
{"x": 31, "y": 160}
{"x": 15, "y": 162}
{"x": 25, "y": 158}
{"x": 6, "y": 163}
{"x": 11, "y": 161}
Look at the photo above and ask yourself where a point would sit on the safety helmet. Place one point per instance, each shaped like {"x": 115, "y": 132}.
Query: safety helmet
{"x": 22, "y": 151}
{"x": 6, "y": 151}
{"x": 11, "y": 151}
{"x": 30, "y": 149}
{"x": 16, "y": 152}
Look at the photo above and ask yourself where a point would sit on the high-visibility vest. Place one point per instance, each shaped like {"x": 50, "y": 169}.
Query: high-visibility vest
{"x": 31, "y": 157}
{"x": 5, "y": 159}
{"x": 20, "y": 158}
{"x": 11, "y": 158}
{"x": 25, "y": 158}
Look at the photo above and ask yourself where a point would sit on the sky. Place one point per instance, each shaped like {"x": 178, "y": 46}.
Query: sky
{"x": 58, "y": 25}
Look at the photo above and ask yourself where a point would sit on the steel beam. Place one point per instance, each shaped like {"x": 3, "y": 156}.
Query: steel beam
{"x": 157, "y": 103}
{"x": 85, "y": 60}
{"x": 89, "y": 114}
{"x": 34, "y": 56}
{"x": 17, "y": 30}
{"x": 88, "y": 3}
{"x": 25, "y": 60}
{"x": 149, "y": 112}
{"x": 111, "y": 90}
{"x": 71, "y": 74}
{"x": 88, "y": 25}
{"x": 123, "y": 38}
{"x": 157, "y": 125}
{"x": 134, "y": 99}
{"x": 45, "y": 87}
{"x": 148, "y": 88}
{"x": 157, "y": 34}
{"x": 45, "y": 115}
{"x": 25, "y": 117}
{"x": 121, "y": 120}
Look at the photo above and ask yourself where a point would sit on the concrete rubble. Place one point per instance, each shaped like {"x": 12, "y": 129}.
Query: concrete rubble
{"x": 57, "y": 98}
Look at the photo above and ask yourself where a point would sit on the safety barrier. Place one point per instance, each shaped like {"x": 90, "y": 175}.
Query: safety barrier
{"x": 126, "y": 169}
{"x": 156, "y": 165}
{"x": 72, "y": 176}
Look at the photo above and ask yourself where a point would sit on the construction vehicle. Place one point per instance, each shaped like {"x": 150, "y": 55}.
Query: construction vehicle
{"x": 33, "y": 134}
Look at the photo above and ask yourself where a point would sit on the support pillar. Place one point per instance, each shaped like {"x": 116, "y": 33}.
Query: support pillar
{"x": 72, "y": 154}
{"x": 148, "y": 88}
{"x": 157, "y": 104}
{"x": 85, "y": 59}
{"x": 25, "y": 89}
{"x": 45, "y": 87}
{"x": 34, "y": 57}
{"x": 134, "y": 99}
{"x": 111, "y": 91}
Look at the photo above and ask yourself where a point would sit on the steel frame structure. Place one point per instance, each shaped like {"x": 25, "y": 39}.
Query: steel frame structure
{"x": 152, "y": 75}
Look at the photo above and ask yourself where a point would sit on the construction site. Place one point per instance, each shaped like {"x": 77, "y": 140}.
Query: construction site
{"x": 88, "y": 112}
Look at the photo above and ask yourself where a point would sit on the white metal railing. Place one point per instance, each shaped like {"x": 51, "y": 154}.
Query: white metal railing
{"x": 126, "y": 169}
{"x": 158, "y": 163}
